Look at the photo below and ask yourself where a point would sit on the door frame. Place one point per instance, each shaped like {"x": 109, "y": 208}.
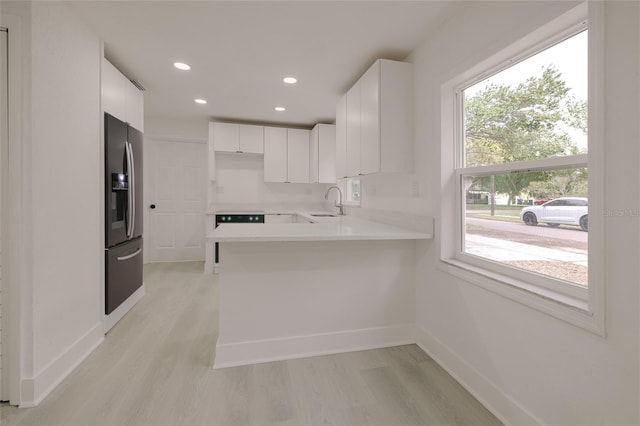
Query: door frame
{"x": 15, "y": 220}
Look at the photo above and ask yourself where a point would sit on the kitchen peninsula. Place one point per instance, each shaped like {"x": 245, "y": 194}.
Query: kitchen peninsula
{"x": 302, "y": 289}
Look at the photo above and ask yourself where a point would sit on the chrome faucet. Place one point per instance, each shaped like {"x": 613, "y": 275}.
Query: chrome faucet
{"x": 340, "y": 205}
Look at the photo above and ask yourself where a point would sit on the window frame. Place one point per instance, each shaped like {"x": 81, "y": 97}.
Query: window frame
{"x": 579, "y": 305}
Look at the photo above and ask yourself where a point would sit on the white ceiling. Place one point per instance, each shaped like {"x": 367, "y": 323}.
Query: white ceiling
{"x": 239, "y": 52}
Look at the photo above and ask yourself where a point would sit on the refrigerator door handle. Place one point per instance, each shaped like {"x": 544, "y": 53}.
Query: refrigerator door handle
{"x": 130, "y": 199}
{"x": 130, "y": 256}
{"x": 132, "y": 190}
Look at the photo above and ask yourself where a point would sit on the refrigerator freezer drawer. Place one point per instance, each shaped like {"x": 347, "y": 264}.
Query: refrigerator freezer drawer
{"x": 124, "y": 273}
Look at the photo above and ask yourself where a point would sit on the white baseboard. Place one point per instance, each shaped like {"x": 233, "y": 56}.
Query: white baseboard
{"x": 254, "y": 352}
{"x": 491, "y": 396}
{"x": 117, "y": 314}
{"x": 34, "y": 390}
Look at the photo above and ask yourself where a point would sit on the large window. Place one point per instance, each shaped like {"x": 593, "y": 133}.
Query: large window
{"x": 524, "y": 129}
{"x": 520, "y": 187}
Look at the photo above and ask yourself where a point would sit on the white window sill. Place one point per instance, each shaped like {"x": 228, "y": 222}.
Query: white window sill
{"x": 569, "y": 309}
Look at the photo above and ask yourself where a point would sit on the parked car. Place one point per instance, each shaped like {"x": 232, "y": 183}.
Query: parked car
{"x": 559, "y": 211}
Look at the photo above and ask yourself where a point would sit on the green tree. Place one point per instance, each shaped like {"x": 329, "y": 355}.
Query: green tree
{"x": 560, "y": 183}
{"x": 505, "y": 124}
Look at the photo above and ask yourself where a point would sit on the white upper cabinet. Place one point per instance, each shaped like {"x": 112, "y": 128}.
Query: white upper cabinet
{"x": 113, "y": 91}
{"x": 353, "y": 130}
{"x": 378, "y": 123}
{"x": 370, "y": 121}
{"x": 135, "y": 106}
{"x": 120, "y": 97}
{"x": 226, "y": 137}
{"x": 286, "y": 155}
{"x": 251, "y": 139}
{"x": 243, "y": 138}
{"x": 395, "y": 117}
{"x": 322, "y": 154}
{"x": 275, "y": 154}
{"x": 211, "y": 152}
{"x": 298, "y": 155}
{"x": 341, "y": 138}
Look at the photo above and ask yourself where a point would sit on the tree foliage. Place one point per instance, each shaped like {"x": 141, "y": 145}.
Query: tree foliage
{"x": 532, "y": 120}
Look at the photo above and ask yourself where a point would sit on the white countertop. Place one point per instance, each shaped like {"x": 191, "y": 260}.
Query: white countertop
{"x": 227, "y": 208}
{"x": 323, "y": 229}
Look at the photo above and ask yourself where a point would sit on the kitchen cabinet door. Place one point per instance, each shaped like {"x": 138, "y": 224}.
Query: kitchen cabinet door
{"x": 135, "y": 106}
{"x": 396, "y": 116}
{"x": 314, "y": 154}
{"x": 211, "y": 153}
{"x": 278, "y": 218}
{"x": 226, "y": 137}
{"x": 120, "y": 97}
{"x": 113, "y": 91}
{"x": 341, "y": 138}
{"x": 251, "y": 139}
{"x": 370, "y": 120}
{"x": 353, "y": 130}
{"x": 326, "y": 153}
{"x": 275, "y": 154}
{"x": 298, "y": 155}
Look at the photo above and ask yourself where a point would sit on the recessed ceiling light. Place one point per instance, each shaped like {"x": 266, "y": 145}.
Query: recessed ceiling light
{"x": 290, "y": 80}
{"x": 181, "y": 66}
{"x": 200, "y": 101}
{"x": 280, "y": 109}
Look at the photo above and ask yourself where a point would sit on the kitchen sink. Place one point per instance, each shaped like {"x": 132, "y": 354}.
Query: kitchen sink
{"x": 324, "y": 215}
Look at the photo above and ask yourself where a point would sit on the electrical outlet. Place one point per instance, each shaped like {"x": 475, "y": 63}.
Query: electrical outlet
{"x": 415, "y": 189}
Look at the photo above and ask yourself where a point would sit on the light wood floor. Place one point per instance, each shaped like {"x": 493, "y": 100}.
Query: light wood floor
{"x": 154, "y": 368}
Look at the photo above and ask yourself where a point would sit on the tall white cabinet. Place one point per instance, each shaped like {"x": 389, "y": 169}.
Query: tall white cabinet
{"x": 322, "y": 154}
{"x": 353, "y": 130}
{"x": 375, "y": 128}
{"x": 341, "y": 138}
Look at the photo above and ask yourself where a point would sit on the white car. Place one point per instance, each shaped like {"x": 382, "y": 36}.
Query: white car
{"x": 560, "y": 211}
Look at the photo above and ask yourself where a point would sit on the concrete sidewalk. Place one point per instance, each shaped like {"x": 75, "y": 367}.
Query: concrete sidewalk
{"x": 503, "y": 250}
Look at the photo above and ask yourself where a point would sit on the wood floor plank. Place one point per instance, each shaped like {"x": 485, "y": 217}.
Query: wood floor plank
{"x": 154, "y": 368}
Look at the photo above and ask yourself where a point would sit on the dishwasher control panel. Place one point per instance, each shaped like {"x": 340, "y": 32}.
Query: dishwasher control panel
{"x": 239, "y": 218}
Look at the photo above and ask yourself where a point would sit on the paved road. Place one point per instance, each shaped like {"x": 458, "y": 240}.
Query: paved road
{"x": 562, "y": 233}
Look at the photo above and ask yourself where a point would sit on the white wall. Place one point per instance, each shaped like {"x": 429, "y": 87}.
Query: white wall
{"x": 176, "y": 129}
{"x": 62, "y": 217}
{"x": 527, "y": 366}
{"x": 240, "y": 180}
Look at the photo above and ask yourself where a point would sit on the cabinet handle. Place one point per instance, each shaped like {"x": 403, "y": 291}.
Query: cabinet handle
{"x": 240, "y": 152}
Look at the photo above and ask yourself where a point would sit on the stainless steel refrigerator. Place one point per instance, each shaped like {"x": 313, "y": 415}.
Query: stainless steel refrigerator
{"x": 123, "y": 211}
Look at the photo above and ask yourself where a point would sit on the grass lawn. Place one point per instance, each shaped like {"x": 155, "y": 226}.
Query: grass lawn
{"x": 498, "y": 207}
{"x": 501, "y": 216}
{"x": 502, "y": 213}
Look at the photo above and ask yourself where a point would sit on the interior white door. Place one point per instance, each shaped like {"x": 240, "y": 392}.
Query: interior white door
{"x": 175, "y": 200}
